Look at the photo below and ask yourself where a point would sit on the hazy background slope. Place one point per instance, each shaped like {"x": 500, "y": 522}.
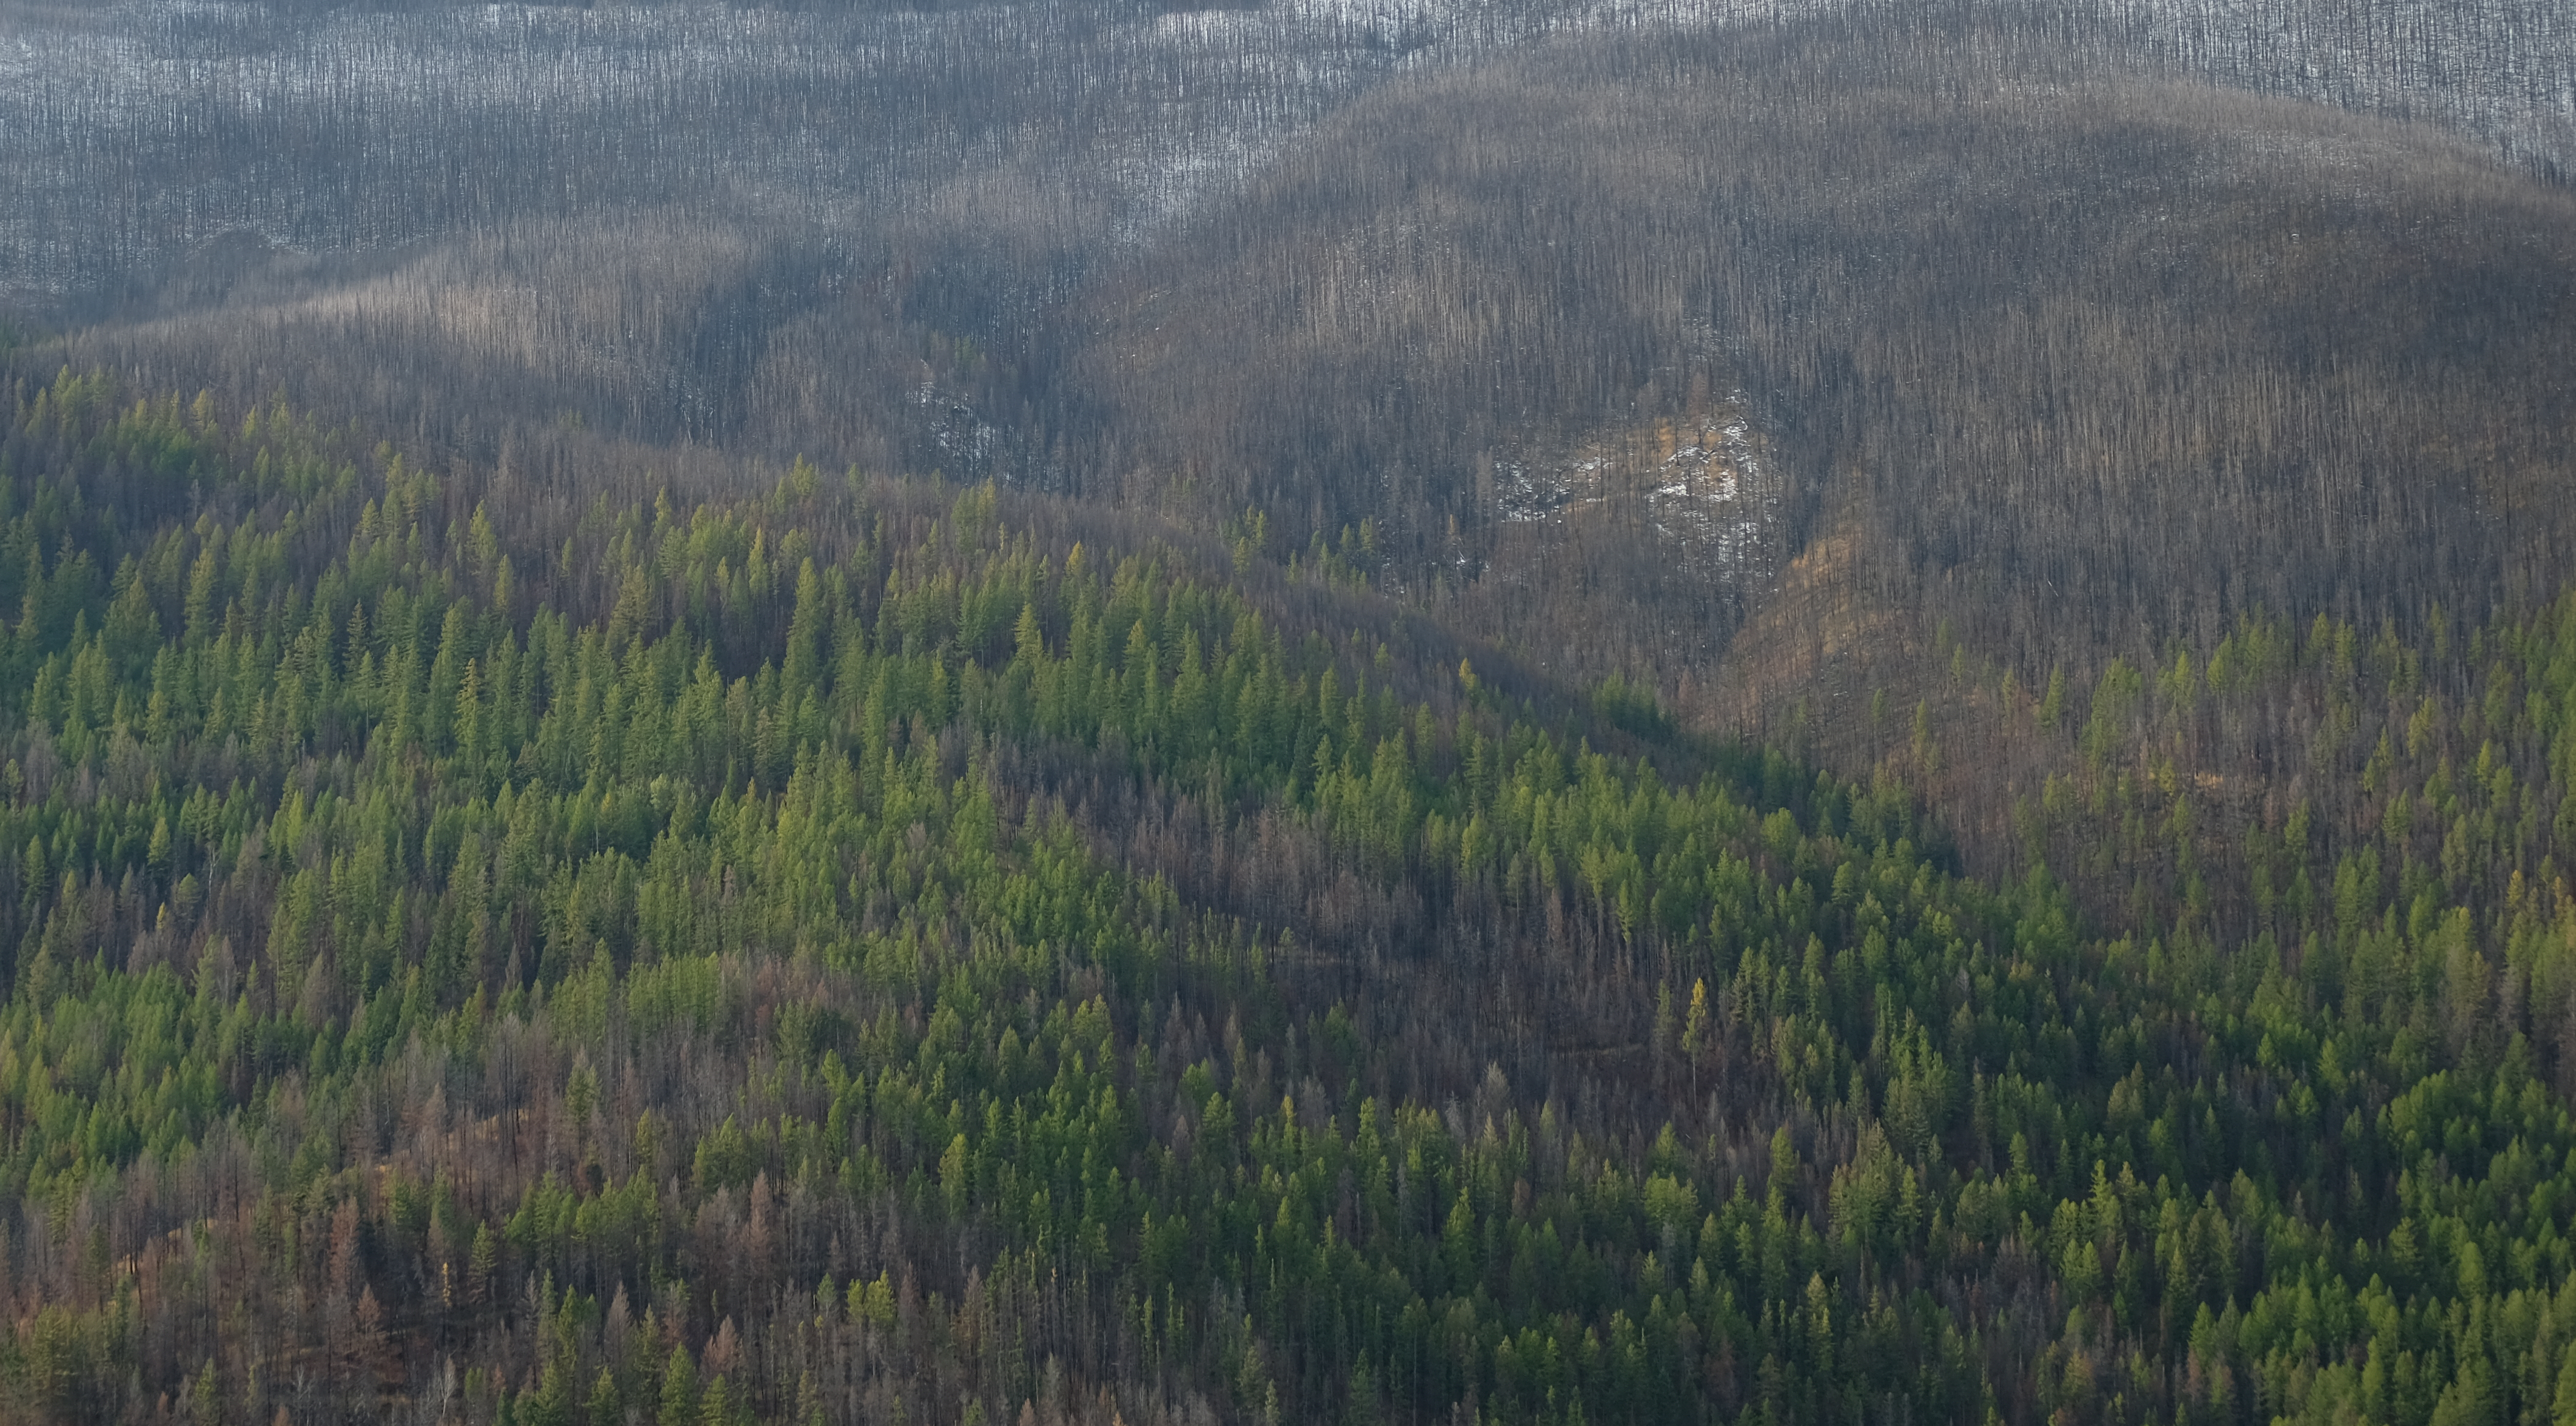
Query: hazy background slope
{"x": 1743, "y": 347}
{"x": 2085, "y": 358}
{"x": 960, "y": 168}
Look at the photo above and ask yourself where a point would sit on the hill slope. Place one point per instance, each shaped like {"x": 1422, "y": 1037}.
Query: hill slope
{"x": 2088, "y": 358}
{"x": 573, "y": 966}
{"x": 2091, "y": 359}
{"x": 523, "y": 900}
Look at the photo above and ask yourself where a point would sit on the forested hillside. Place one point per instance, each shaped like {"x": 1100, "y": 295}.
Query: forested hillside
{"x": 1497, "y": 713}
{"x": 854, "y": 950}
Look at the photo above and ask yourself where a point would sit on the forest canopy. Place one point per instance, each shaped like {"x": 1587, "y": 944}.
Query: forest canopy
{"x": 857, "y": 948}
{"x": 1099, "y": 714}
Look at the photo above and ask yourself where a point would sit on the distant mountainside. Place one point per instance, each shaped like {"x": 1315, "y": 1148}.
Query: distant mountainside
{"x": 906, "y": 238}
{"x": 2084, "y": 359}
{"x": 1774, "y": 359}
